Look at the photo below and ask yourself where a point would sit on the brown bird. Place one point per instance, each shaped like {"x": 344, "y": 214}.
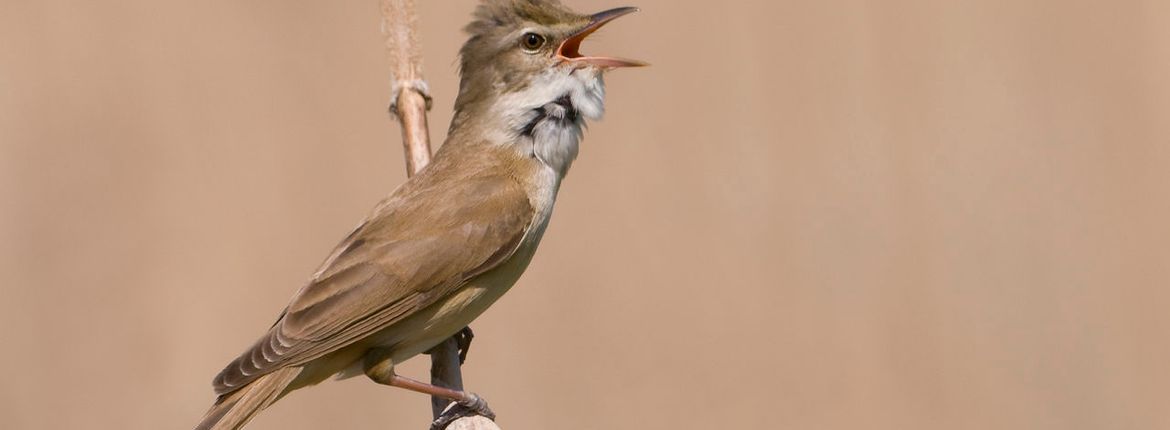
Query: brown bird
{"x": 445, "y": 245}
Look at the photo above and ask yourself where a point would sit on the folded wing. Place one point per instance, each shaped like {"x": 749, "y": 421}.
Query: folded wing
{"x": 420, "y": 244}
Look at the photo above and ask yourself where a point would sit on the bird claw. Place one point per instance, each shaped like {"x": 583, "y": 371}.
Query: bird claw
{"x": 477, "y": 404}
{"x": 472, "y": 405}
{"x": 463, "y": 339}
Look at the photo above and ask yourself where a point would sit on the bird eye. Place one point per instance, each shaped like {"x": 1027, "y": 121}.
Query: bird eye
{"x": 531, "y": 41}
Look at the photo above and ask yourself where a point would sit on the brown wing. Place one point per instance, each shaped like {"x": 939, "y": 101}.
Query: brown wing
{"x": 420, "y": 244}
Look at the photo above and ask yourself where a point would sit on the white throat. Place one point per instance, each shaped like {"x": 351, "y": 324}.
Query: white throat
{"x": 546, "y": 118}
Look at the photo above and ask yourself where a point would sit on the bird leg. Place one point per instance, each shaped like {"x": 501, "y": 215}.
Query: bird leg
{"x": 381, "y": 370}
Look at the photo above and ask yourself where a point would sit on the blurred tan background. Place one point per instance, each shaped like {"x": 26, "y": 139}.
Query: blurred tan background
{"x": 805, "y": 215}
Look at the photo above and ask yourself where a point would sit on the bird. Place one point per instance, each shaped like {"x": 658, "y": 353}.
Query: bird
{"x": 448, "y": 242}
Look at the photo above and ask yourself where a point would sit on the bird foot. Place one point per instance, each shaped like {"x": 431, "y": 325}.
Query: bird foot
{"x": 463, "y": 339}
{"x": 472, "y": 405}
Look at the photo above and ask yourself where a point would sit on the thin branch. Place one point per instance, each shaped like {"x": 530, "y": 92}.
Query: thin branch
{"x": 409, "y": 96}
{"x": 445, "y": 372}
{"x": 409, "y": 101}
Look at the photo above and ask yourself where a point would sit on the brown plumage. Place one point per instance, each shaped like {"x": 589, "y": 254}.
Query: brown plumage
{"x": 447, "y": 225}
{"x": 451, "y": 240}
{"x": 458, "y": 219}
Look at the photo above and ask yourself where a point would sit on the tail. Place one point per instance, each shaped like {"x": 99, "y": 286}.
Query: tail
{"x": 231, "y": 411}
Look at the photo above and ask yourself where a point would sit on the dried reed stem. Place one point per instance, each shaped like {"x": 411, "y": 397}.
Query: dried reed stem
{"x": 410, "y": 100}
{"x": 409, "y": 96}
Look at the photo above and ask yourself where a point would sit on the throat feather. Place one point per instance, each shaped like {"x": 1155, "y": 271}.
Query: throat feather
{"x": 555, "y": 132}
{"x": 560, "y": 110}
{"x": 545, "y": 119}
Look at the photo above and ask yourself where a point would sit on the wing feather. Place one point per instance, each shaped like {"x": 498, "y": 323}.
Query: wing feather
{"x": 421, "y": 244}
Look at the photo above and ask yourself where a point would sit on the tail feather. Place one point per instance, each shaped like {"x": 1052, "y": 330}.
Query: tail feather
{"x": 235, "y": 409}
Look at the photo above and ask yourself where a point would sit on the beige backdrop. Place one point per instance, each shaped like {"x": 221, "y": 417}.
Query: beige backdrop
{"x": 806, "y": 215}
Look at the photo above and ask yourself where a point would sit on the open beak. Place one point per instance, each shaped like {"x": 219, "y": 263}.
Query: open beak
{"x": 570, "y": 49}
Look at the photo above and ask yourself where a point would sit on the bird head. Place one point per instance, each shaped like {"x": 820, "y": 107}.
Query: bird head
{"x": 524, "y": 54}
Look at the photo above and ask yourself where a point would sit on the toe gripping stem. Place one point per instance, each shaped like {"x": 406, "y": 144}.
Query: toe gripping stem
{"x": 471, "y": 404}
